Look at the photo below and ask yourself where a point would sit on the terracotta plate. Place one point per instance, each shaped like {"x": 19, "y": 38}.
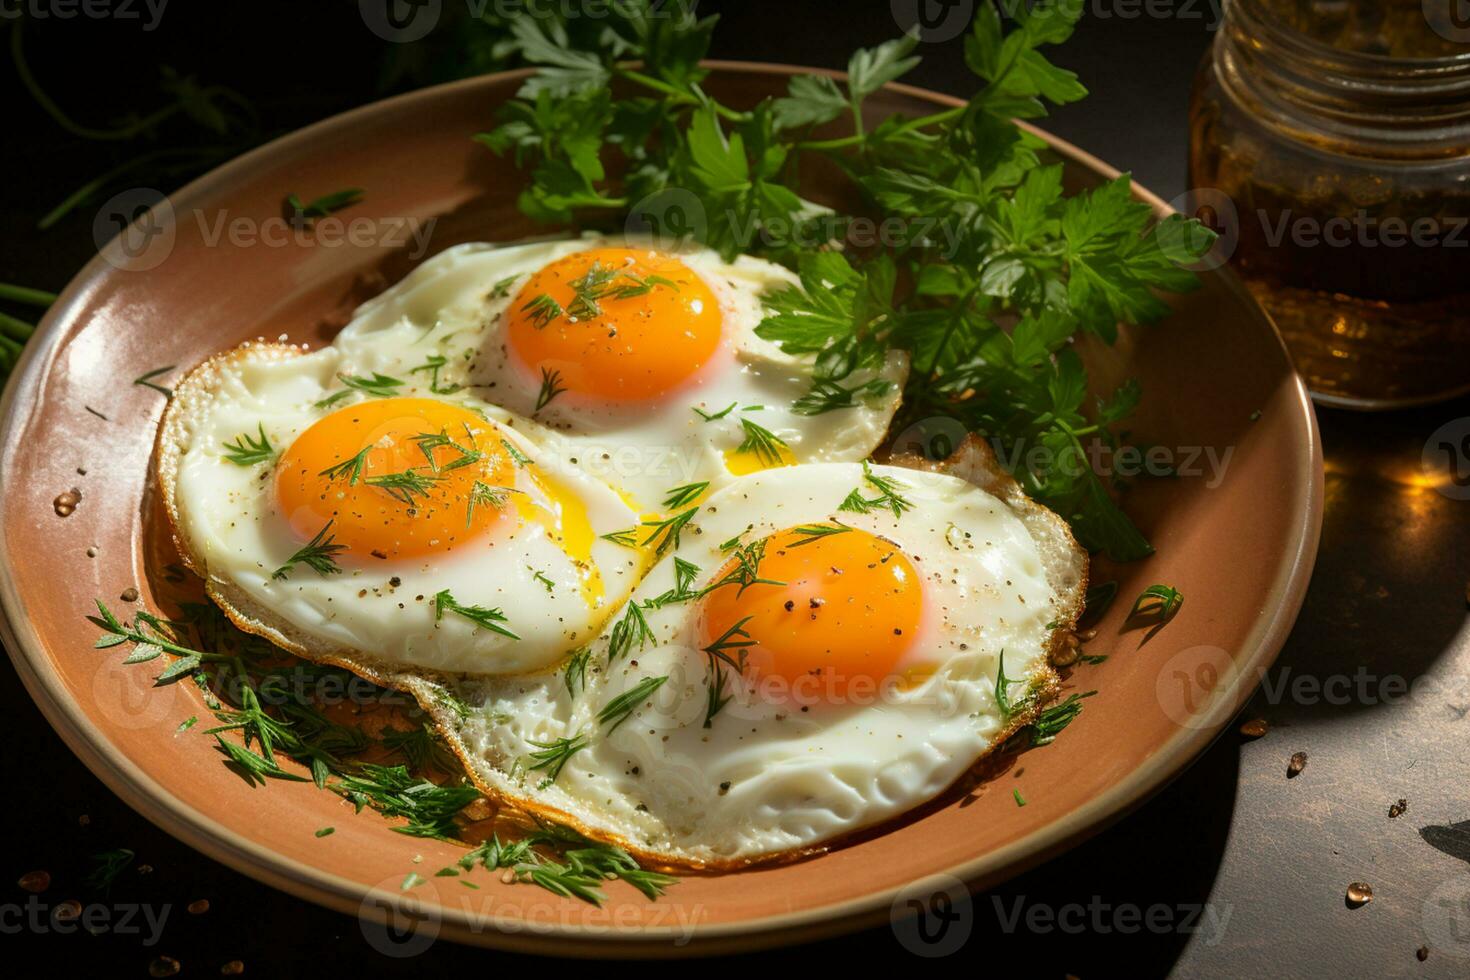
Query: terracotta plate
{"x": 1236, "y": 533}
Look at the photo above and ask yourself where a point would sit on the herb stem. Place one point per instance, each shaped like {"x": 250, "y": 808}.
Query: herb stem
{"x": 14, "y": 328}
{"x": 23, "y": 71}
{"x": 921, "y": 122}
{"x": 678, "y": 95}
{"x": 24, "y": 294}
{"x": 91, "y": 187}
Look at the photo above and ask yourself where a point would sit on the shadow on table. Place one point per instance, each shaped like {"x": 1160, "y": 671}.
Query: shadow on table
{"x": 1128, "y": 900}
{"x": 1392, "y": 534}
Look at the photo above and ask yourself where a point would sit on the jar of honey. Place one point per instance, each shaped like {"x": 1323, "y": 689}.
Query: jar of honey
{"x": 1330, "y": 147}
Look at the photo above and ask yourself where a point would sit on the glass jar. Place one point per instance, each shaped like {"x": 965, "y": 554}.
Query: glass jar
{"x": 1330, "y": 146}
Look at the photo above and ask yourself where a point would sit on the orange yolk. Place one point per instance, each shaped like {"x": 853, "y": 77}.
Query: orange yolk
{"x": 846, "y": 611}
{"x": 617, "y": 324}
{"x": 396, "y": 477}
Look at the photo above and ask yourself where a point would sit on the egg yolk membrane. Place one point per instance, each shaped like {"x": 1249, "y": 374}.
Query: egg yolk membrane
{"x": 397, "y": 478}
{"x": 615, "y": 324}
{"x": 825, "y": 611}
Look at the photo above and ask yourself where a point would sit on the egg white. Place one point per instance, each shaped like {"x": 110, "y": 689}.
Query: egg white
{"x": 768, "y": 777}
{"x": 449, "y": 307}
{"x": 230, "y": 527}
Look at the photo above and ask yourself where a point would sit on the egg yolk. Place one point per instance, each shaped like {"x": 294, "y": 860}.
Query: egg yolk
{"x": 397, "y": 478}
{"x": 826, "y": 610}
{"x": 616, "y": 324}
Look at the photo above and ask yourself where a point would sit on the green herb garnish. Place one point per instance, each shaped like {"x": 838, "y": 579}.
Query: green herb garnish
{"x": 245, "y": 451}
{"x": 710, "y": 417}
{"x": 434, "y": 364}
{"x": 550, "y": 387}
{"x": 554, "y": 755}
{"x": 543, "y": 310}
{"x": 1158, "y": 602}
{"x": 318, "y": 555}
{"x": 747, "y": 567}
{"x": 1049, "y": 723}
{"x": 481, "y": 616}
{"x": 735, "y": 638}
{"x": 351, "y": 467}
{"x": 107, "y": 865}
{"x": 378, "y": 386}
{"x": 1099, "y": 598}
{"x": 322, "y": 206}
{"x": 631, "y": 629}
{"x": 618, "y": 710}
{"x": 811, "y": 533}
{"x": 665, "y": 533}
{"x": 628, "y": 537}
{"x": 996, "y": 270}
{"x": 888, "y": 496}
{"x": 762, "y": 443}
{"x": 687, "y": 494}
{"x": 146, "y": 380}
{"x": 516, "y": 456}
{"x": 405, "y": 486}
{"x": 575, "y": 672}
{"x": 585, "y": 864}
{"x": 1002, "y": 690}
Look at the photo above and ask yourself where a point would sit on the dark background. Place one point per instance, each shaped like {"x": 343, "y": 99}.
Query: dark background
{"x": 1270, "y": 857}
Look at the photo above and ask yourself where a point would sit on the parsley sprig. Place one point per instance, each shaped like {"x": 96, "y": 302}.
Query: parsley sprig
{"x": 998, "y": 269}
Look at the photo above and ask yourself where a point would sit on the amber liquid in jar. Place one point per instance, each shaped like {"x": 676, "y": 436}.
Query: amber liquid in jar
{"x": 1330, "y": 146}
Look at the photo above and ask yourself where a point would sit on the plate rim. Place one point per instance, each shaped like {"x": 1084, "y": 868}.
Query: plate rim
{"x": 154, "y": 802}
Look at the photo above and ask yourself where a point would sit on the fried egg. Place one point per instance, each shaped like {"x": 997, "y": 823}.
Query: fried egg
{"x": 824, "y": 647}
{"x": 380, "y": 528}
{"x": 645, "y": 362}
